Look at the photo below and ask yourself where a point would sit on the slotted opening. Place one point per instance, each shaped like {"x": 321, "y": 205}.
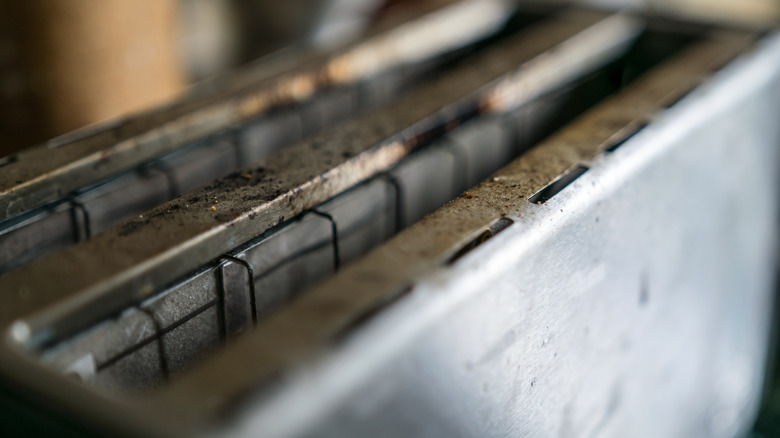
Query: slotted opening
{"x": 147, "y": 344}
{"x": 556, "y": 186}
{"x": 495, "y": 228}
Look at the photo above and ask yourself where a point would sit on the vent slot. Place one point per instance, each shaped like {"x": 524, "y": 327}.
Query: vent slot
{"x": 623, "y": 138}
{"x": 556, "y": 186}
{"x": 497, "y": 227}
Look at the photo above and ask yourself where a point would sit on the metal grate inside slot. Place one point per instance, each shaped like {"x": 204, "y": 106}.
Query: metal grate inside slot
{"x": 197, "y": 314}
{"x": 120, "y": 197}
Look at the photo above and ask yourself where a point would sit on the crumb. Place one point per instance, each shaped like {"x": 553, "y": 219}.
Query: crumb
{"x": 246, "y": 176}
{"x": 467, "y": 195}
{"x": 213, "y": 208}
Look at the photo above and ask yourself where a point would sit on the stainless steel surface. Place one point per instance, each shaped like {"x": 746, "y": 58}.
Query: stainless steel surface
{"x": 635, "y": 302}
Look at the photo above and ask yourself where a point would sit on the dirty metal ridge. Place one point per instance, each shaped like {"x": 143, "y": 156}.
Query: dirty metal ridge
{"x": 131, "y": 261}
{"x": 42, "y": 174}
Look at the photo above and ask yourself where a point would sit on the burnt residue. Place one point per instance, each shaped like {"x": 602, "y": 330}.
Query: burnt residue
{"x": 558, "y": 184}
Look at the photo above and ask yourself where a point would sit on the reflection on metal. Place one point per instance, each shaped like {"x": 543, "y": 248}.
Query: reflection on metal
{"x": 566, "y": 293}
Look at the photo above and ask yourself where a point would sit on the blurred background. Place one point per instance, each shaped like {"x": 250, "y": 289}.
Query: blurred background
{"x": 65, "y": 64}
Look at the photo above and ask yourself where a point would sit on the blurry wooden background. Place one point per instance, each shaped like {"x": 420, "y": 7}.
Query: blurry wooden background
{"x": 69, "y": 63}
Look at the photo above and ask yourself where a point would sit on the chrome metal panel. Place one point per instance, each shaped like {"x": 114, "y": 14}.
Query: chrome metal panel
{"x": 634, "y": 302}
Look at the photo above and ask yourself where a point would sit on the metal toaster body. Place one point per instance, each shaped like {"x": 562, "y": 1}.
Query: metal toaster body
{"x": 554, "y": 222}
